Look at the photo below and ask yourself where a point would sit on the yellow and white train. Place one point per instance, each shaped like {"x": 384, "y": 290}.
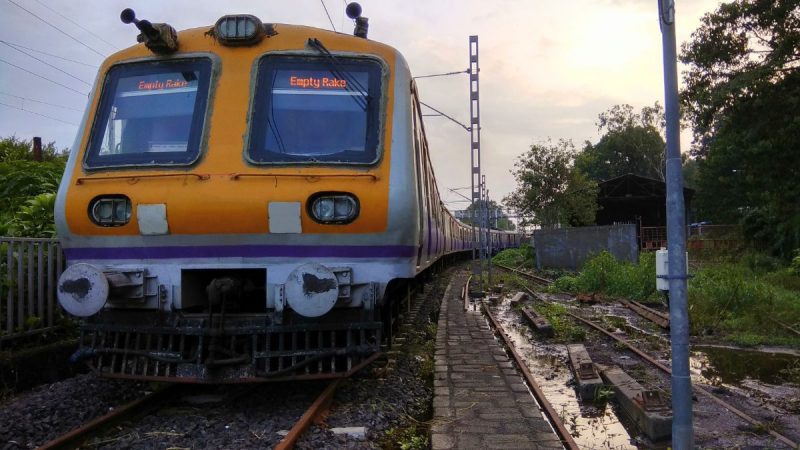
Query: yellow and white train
{"x": 242, "y": 198}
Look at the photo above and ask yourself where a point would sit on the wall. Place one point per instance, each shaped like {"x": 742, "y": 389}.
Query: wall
{"x": 569, "y": 248}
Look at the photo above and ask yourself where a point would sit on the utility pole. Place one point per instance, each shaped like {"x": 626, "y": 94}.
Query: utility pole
{"x": 682, "y": 433}
{"x": 488, "y": 234}
{"x": 475, "y": 158}
{"x": 37, "y": 149}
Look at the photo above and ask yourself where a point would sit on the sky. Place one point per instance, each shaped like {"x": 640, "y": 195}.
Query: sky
{"x": 547, "y": 68}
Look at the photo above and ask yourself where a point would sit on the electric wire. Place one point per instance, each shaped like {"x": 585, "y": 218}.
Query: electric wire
{"x": 448, "y": 117}
{"x": 46, "y": 63}
{"x": 38, "y": 114}
{"x": 56, "y": 28}
{"x": 442, "y": 74}
{"x": 14, "y": 44}
{"x": 44, "y": 78}
{"x": 77, "y": 25}
{"x": 327, "y": 14}
{"x": 39, "y": 101}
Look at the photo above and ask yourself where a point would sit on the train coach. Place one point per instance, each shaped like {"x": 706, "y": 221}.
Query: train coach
{"x": 241, "y": 200}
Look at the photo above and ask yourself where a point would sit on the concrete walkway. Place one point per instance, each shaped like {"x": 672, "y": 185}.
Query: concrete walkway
{"x": 480, "y": 401}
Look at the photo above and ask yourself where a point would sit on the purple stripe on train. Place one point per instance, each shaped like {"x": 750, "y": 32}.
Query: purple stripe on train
{"x": 243, "y": 251}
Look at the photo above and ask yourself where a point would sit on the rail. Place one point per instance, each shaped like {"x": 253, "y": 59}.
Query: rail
{"x": 696, "y": 388}
{"x": 29, "y": 271}
{"x": 552, "y": 414}
{"x": 530, "y": 276}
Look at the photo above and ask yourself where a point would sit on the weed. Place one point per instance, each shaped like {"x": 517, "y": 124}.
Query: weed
{"x": 407, "y": 438}
{"x": 564, "y": 327}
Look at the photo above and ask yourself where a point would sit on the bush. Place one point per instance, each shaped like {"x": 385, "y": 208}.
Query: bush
{"x": 605, "y": 274}
{"x": 516, "y": 257}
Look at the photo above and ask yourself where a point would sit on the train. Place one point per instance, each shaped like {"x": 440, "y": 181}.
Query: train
{"x": 242, "y": 200}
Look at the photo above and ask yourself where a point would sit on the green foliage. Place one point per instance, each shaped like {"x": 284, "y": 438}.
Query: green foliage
{"x": 35, "y": 218}
{"x": 631, "y": 143}
{"x": 734, "y": 301}
{"x": 409, "y": 438}
{"x": 24, "y": 207}
{"x": 27, "y": 189}
{"x": 549, "y": 191}
{"x": 15, "y": 149}
{"x": 794, "y": 267}
{"x": 742, "y": 96}
{"x": 516, "y": 257}
{"x": 605, "y": 274}
{"x": 564, "y": 327}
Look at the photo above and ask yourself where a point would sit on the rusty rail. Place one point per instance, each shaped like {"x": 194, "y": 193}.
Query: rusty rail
{"x": 698, "y": 389}
{"x": 650, "y": 314}
{"x": 74, "y": 438}
{"x": 552, "y": 414}
{"x": 29, "y": 268}
{"x": 319, "y": 406}
{"x": 530, "y": 276}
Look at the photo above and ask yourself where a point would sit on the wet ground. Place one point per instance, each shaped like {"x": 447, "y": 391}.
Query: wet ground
{"x": 592, "y": 426}
{"x": 764, "y": 383}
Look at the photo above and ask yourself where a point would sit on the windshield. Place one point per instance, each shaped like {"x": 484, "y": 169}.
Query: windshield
{"x": 150, "y": 114}
{"x": 316, "y": 110}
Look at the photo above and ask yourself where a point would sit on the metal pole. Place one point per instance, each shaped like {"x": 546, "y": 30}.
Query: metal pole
{"x": 475, "y": 157}
{"x": 682, "y": 433}
{"x": 488, "y": 239}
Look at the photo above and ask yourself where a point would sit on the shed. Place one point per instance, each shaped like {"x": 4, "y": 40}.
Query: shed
{"x": 635, "y": 199}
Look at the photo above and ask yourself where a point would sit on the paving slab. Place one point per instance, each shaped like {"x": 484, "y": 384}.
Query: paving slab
{"x": 480, "y": 403}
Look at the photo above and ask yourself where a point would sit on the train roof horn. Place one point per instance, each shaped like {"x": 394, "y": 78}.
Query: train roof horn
{"x": 160, "y": 38}
{"x": 353, "y": 11}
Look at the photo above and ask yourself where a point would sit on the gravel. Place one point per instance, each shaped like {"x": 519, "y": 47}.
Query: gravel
{"x": 34, "y": 418}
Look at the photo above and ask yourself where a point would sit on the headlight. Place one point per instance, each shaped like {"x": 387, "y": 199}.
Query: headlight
{"x": 333, "y": 208}
{"x": 110, "y": 210}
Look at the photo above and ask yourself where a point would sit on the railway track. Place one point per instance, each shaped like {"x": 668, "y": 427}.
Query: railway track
{"x": 659, "y": 318}
{"x": 161, "y": 398}
{"x": 662, "y": 320}
{"x": 75, "y": 437}
{"x": 652, "y": 361}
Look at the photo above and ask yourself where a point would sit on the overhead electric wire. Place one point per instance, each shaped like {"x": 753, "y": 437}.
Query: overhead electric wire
{"x": 14, "y": 44}
{"x": 445, "y": 115}
{"x": 56, "y": 28}
{"x": 77, "y": 25}
{"x": 442, "y": 74}
{"x": 44, "y": 78}
{"x": 40, "y": 101}
{"x": 327, "y": 14}
{"x": 46, "y": 63}
{"x": 38, "y": 114}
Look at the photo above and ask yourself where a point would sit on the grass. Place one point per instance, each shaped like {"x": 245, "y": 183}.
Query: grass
{"x": 605, "y": 274}
{"x": 564, "y": 327}
{"x": 735, "y": 301}
{"x": 521, "y": 257}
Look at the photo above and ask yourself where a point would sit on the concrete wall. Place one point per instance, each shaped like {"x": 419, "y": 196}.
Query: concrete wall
{"x": 569, "y": 248}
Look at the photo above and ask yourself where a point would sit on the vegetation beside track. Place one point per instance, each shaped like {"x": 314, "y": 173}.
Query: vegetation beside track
{"x": 735, "y": 301}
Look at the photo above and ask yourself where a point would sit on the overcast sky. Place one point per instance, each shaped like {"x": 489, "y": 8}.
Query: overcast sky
{"x": 548, "y": 68}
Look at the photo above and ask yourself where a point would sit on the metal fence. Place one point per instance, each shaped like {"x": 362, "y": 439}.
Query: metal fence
{"x": 29, "y": 271}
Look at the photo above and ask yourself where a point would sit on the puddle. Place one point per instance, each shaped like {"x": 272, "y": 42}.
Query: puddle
{"x": 732, "y": 366}
{"x": 591, "y": 426}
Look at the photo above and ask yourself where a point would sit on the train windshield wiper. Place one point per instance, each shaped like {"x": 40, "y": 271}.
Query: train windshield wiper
{"x": 361, "y": 94}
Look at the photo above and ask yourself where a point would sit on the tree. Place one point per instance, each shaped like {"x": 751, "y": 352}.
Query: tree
{"x": 631, "y": 143}
{"x": 549, "y": 191}
{"x": 742, "y": 97}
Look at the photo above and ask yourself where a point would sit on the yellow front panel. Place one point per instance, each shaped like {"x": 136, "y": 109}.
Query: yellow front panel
{"x": 221, "y": 202}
